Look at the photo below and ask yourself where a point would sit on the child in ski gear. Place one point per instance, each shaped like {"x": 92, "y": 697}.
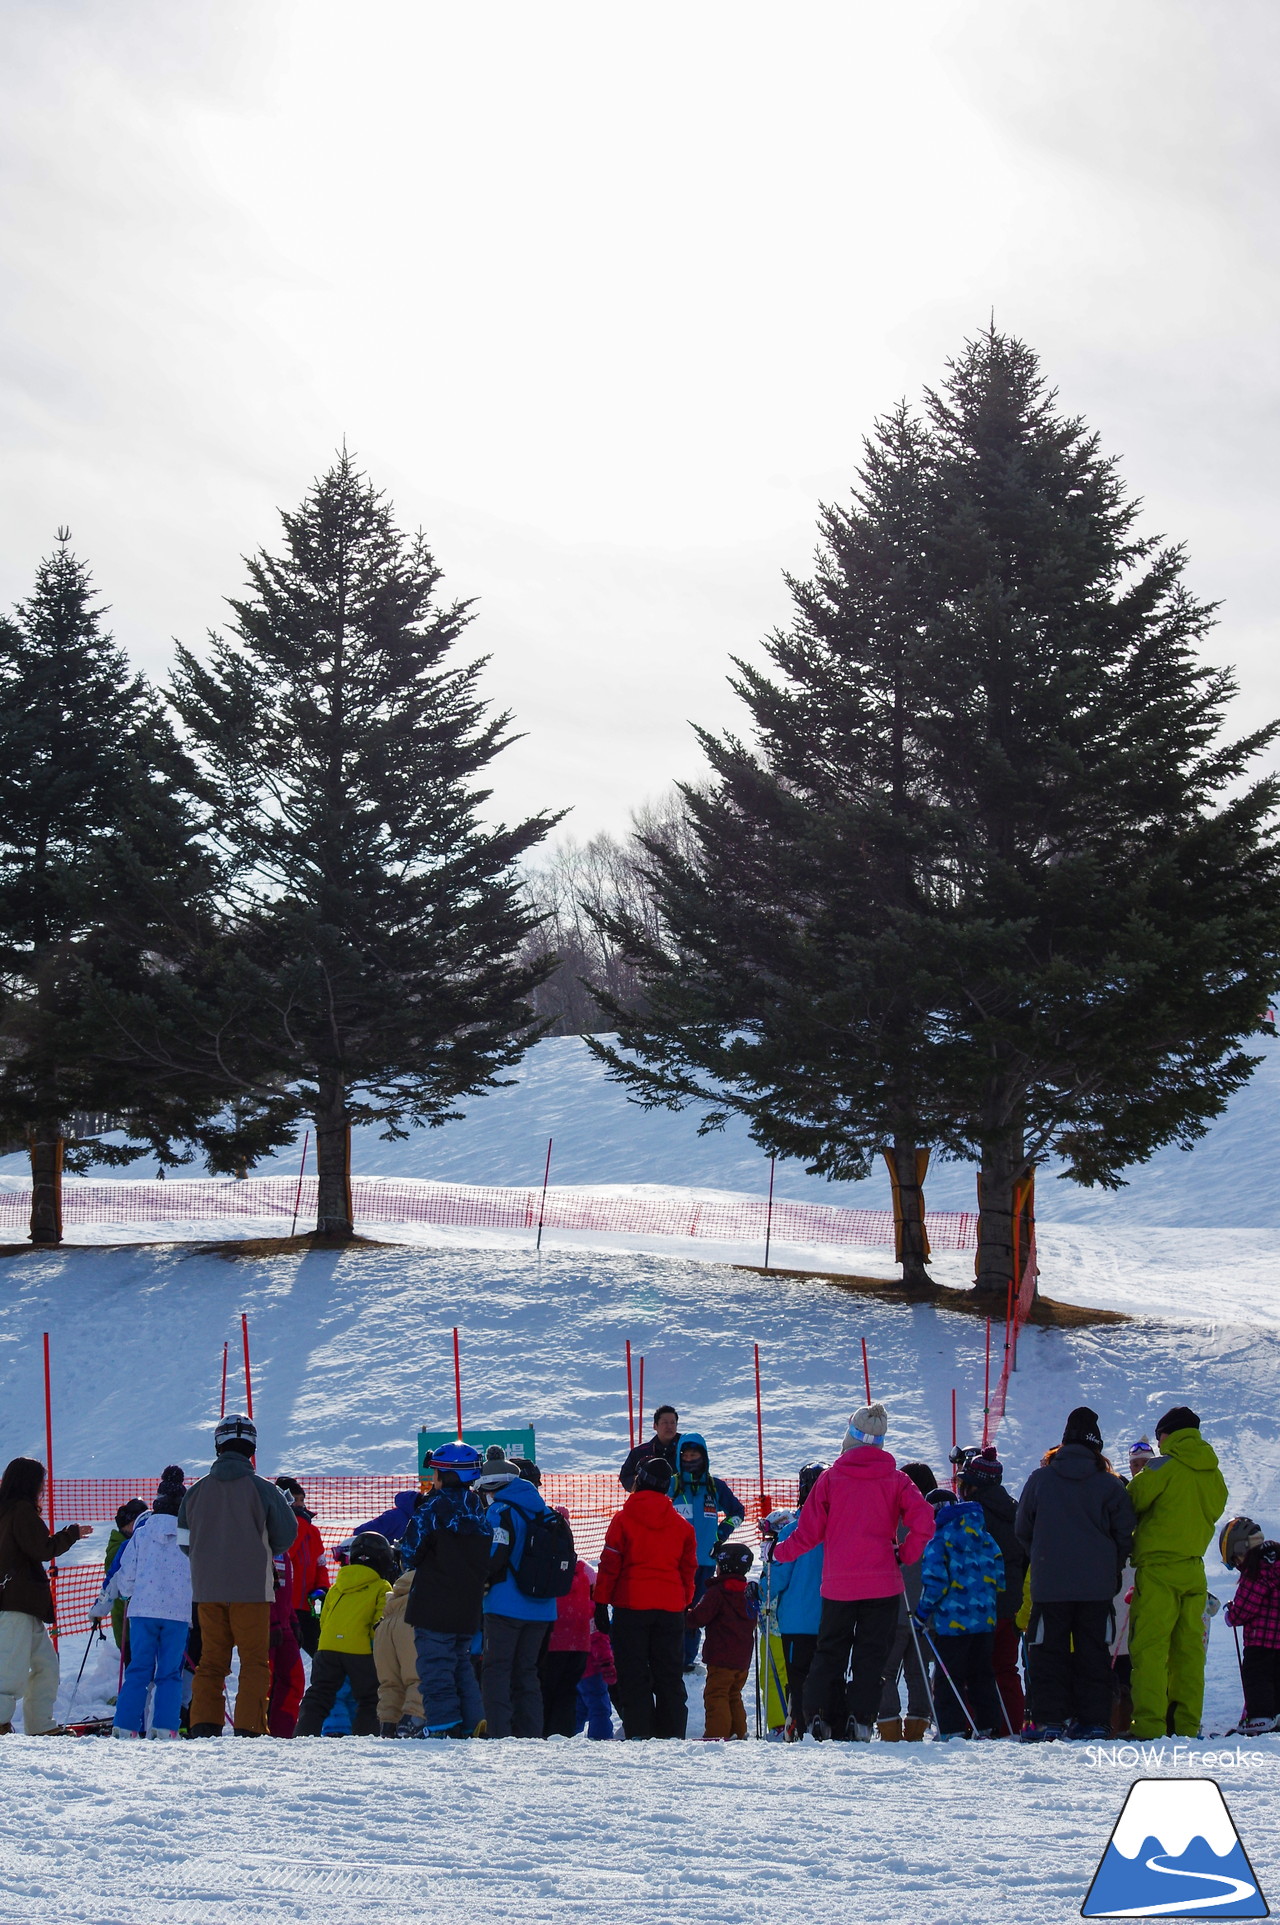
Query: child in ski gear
{"x": 1177, "y": 1500}
{"x": 982, "y": 1482}
{"x": 1121, "y": 1667}
{"x": 1076, "y": 1523}
{"x": 908, "y": 1647}
{"x": 961, "y": 1575}
{"x": 795, "y": 1592}
{"x": 126, "y": 1517}
{"x": 393, "y": 1523}
{"x": 308, "y": 1568}
{"x": 664, "y": 1443}
{"x": 708, "y": 1504}
{"x": 854, "y": 1511}
{"x": 447, "y": 1544}
{"x": 564, "y": 1656}
{"x": 728, "y": 1610}
{"x": 515, "y": 1625}
{"x": 647, "y": 1571}
{"x": 288, "y": 1679}
{"x": 351, "y": 1611}
{"x": 232, "y": 1523}
{"x": 594, "y": 1708}
{"x": 1255, "y": 1608}
{"x": 28, "y": 1662}
{"x": 155, "y": 1577}
{"x": 395, "y": 1657}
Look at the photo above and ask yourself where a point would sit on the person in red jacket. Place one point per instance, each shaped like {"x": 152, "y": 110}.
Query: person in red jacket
{"x": 308, "y": 1570}
{"x": 728, "y": 1608}
{"x": 647, "y": 1573}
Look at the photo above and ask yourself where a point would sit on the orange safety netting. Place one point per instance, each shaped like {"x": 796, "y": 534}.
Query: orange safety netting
{"x": 339, "y": 1504}
{"x": 466, "y": 1206}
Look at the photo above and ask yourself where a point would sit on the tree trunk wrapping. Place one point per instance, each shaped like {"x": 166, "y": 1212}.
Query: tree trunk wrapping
{"x": 334, "y": 1213}
{"x": 907, "y": 1165}
{"x": 46, "y": 1187}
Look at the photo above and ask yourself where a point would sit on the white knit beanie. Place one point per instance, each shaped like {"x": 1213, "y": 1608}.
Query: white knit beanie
{"x": 866, "y": 1426}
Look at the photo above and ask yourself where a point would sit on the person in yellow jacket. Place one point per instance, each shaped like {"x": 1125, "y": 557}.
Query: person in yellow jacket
{"x": 1178, "y": 1497}
{"x": 352, "y": 1608}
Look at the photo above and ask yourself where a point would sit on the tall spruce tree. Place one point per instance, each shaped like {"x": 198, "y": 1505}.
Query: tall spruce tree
{"x": 100, "y": 857}
{"x": 987, "y": 878}
{"x": 378, "y": 918}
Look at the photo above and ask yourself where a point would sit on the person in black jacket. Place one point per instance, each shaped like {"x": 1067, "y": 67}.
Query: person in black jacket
{"x": 664, "y": 1443}
{"x": 1076, "y": 1522}
{"x": 447, "y": 1542}
{"x": 982, "y": 1482}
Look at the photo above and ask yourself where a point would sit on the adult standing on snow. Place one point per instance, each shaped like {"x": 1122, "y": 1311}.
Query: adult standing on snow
{"x": 664, "y": 1443}
{"x": 647, "y": 1573}
{"x": 28, "y": 1662}
{"x": 231, "y": 1524}
{"x": 1076, "y": 1524}
{"x": 516, "y": 1626}
{"x": 707, "y": 1503}
{"x": 854, "y": 1511}
{"x": 1178, "y": 1498}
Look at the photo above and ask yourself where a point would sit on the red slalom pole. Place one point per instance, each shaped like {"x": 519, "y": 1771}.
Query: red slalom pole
{"x": 759, "y": 1431}
{"x": 631, "y": 1420}
{"x": 986, "y": 1391}
{"x": 866, "y": 1373}
{"x": 457, "y": 1381}
{"x": 48, "y": 1481}
{"x": 223, "y": 1408}
{"x": 248, "y": 1379}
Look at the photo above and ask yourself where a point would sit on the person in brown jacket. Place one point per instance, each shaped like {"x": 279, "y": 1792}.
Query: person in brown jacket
{"x": 728, "y": 1609}
{"x": 28, "y": 1662}
{"x": 231, "y": 1525}
{"x": 396, "y": 1656}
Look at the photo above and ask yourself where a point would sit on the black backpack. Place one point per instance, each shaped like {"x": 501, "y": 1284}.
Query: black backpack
{"x": 549, "y": 1559}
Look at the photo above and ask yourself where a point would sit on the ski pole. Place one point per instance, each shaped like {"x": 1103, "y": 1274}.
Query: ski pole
{"x": 924, "y": 1670}
{"x": 947, "y": 1675}
{"x": 1240, "y": 1668}
{"x": 80, "y": 1673}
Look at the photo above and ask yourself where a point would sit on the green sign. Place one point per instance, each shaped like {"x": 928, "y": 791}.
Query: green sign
{"x": 515, "y": 1443}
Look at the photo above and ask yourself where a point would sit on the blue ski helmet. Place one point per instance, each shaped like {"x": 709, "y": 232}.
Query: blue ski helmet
{"x": 464, "y": 1460}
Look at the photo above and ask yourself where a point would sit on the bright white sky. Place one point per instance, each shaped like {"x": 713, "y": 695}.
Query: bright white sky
{"x": 605, "y": 297}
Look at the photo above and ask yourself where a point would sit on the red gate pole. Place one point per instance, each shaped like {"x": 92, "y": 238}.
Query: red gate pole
{"x": 48, "y": 1482}
{"x": 759, "y": 1432}
{"x": 640, "y": 1398}
{"x": 542, "y": 1206}
{"x": 953, "y": 1438}
{"x": 248, "y": 1379}
{"x": 866, "y": 1373}
{"x": 768, "y": 1221}
{"x": 631, "y": 1419}
{"x": 297, "y": 1195}
{"x": 223, "y": 1410}
{"x": 457, "y": 1381}
{"x": 986, "y": 1391}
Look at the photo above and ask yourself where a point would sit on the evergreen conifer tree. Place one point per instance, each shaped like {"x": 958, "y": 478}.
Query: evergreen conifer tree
{"x": 378, "y": 918}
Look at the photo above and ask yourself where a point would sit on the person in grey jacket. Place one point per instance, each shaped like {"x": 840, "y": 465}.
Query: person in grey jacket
{"x": 1076, "y": 1523}
{"x": 231, "y": 1524}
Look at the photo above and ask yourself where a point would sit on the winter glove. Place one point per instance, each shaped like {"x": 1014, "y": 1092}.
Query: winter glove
{"x": 600, "y": 1618}
{"x": 725, "y": 1530}
{"x": 99, "y": 1610}
{"x": 316, "y": 1600}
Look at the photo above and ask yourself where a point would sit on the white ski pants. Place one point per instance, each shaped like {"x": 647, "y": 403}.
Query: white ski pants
{"x": 29, "y": 1670}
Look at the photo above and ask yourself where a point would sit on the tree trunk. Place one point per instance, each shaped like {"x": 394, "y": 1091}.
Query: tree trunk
{"x": 334, "y": 1214}
{"x": 907, "y": 1165}
{"x": 45, "y": 1148}
{"x": 1004, "y": 1172}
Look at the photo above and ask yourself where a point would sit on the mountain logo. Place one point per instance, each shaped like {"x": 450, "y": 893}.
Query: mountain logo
{"x": 1175, "y": 1853}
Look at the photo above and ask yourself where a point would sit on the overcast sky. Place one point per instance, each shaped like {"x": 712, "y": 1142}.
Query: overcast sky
{"x": 605, "y": 297}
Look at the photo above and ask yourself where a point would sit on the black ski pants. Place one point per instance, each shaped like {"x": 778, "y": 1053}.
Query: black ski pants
{"x": 854, "y": 1635}
{"x": 798, "y": 1648}
{"x": 328, "y": 1669}
{"x": 1069, "y": 1662}
{"x": 648, "y": 1654}
{"x": 968, "y": 1657}
{"x": 561, "y": 1673}
{"x": 509, "y": 1676}
{"x": 1260, "y": 1670}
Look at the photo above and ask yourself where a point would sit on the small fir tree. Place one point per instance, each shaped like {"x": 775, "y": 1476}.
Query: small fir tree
{"x": 379, "y": 920}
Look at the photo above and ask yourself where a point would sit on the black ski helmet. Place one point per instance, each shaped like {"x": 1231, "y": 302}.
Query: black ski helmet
{"x": 809, "y": 1475}
{"x": 734, "y": 1560}
{"x": 373, "y": 1549}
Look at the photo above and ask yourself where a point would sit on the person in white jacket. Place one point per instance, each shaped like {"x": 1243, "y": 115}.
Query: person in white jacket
{"x": 155, "y": 1575}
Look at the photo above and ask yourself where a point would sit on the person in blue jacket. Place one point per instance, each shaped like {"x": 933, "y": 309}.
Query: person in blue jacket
{"x": 961, "y": 1577}
{"x": 515, "y": 1626}
{"x": 710, "y": 1506}
{"x": 794, "y": 1592}
{"x": 392, "y": 1524}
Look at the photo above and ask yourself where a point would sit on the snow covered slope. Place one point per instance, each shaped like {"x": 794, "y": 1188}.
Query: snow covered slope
{"x": 561, "y": 1092}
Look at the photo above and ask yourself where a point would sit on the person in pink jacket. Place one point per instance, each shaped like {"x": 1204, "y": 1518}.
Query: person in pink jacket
{"x": 854, "y": 1511}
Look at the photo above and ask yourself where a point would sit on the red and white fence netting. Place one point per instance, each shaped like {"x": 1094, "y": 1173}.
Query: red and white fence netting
{"x": 264, "y": 1199}
{"x": 339, "y": 1504}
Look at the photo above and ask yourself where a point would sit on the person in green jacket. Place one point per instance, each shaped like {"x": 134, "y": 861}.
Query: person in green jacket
{"x": 1178, "y": 1497}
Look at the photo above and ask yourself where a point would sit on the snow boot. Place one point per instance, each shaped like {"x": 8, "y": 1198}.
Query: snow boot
{"x": 388, "y": 1731}
{"x": 241, "y": 1731}
{"x": 913, "y": 1730}
{"x": 156, "y": 1733}
{"x": 410, "y": 1727}
{"x": 206, "y": 1731}
{"x": 6, "y": 1730}
{"x": 1041, "y": 1734}
{"x": 118, "y": 1731}
{"x": 891, "y": 1730}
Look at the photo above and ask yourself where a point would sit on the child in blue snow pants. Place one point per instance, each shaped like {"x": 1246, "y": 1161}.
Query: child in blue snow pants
{"x": 157, "y": 1647}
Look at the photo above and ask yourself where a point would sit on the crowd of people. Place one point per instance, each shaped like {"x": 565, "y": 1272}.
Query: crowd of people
{"x": 1080, "y": 1609}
